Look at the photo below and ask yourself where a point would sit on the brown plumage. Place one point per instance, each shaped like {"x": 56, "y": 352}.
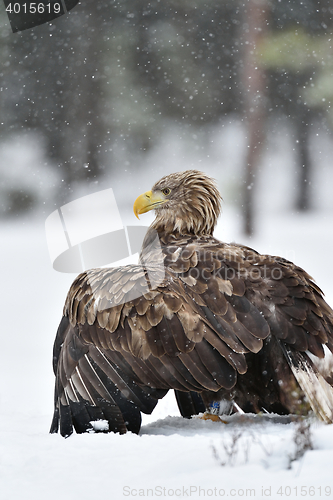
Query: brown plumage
{"x": 195, "y": 315}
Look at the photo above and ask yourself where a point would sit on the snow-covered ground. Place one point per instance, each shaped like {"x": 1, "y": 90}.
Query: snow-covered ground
{"x": 172, "y": 457}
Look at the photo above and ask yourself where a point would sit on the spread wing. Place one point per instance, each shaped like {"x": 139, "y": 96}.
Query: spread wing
{"x": 120, "y": 337}
{"x": 125, "y": 340}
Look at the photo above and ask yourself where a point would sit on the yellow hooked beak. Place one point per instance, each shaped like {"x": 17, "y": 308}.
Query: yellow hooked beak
{"x": 147, "y": 201}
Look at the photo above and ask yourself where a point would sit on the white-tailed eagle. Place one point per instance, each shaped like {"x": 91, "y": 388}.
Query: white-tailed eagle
{"x": 211, "y": 320}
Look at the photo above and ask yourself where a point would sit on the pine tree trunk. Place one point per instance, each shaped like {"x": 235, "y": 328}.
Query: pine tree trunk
{"x": 302, "y": 129}
{"x": 254, "y": 26}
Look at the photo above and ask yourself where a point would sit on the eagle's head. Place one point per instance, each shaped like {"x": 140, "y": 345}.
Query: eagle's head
{"x": 185, "y": 203}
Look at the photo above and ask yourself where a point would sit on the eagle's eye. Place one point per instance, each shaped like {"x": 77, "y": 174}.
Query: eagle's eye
{"x": 166, "y": 191}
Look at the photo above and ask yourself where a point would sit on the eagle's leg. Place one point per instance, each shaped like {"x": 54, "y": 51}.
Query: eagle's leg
{"x": 216, "y": 409}
{"x": 212, "y": 405}
{"x": 189, "y": 403}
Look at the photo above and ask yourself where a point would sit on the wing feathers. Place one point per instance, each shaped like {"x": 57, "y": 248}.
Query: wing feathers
{"x": 102, "y": 361}
{"x": 221, "y": 371}
{"x": 198, "y": 371}
{"x": 181, "y": 373}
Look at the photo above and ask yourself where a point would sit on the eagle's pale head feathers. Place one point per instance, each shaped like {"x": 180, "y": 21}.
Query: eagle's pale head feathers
{"x": 184, "y": 202}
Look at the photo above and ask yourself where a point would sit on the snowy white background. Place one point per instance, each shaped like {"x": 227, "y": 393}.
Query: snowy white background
{"x": 171, "y": 456}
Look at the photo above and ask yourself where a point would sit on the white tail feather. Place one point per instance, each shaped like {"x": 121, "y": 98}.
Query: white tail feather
{"x": 317, "y": 390}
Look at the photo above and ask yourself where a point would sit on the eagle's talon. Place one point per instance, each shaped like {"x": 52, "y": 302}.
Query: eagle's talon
{"x": 213, "y": 417}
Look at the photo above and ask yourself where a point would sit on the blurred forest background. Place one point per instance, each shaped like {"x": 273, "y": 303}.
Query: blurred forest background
{"x": 96, "y": 92}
